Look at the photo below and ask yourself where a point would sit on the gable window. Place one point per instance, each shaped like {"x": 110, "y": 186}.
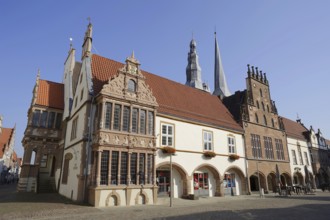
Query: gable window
{"x": 265, "y": 120}
{"x": 74, "y": 128}
{"x": 257, "y": 119}
{"x": 117, "y": 117}
{"x": 231, "y": 145}
{"x": 208, "y": 139}
{"x": 131, "y": 86}
{"x": 167, "y": 135}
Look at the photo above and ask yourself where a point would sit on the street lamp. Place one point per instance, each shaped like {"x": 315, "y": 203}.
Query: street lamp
{"x": 171, "y": 183}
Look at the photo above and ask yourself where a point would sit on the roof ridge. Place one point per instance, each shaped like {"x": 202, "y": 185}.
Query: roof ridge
{"x": 51, "y": 81}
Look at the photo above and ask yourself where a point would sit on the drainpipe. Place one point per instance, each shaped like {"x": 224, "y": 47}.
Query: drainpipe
{"x": 88, "y": 146}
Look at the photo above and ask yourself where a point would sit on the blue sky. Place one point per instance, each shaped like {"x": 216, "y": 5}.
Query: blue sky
{"x": 289, "y": 40}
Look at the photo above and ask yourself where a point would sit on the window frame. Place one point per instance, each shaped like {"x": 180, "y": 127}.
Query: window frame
{"x": 231, "y": 146}
{"x": 167, "y": 135}
{"x": 209, "y": 143}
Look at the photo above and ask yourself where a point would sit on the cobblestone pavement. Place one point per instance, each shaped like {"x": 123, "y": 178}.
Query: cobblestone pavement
{"x": 52, "y": 206}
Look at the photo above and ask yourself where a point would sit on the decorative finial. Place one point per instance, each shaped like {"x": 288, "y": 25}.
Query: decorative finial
{"x": 70, "y": 42}
{"x": 132, "y": 56}
{"x": 249, "y": 71}
{"x": 261, "y": 77}
{"x": 252, "y": 71}
{"x": 192, "y": 35}
{"x": 38, "y": 74}
{"x": 257, "y": 72}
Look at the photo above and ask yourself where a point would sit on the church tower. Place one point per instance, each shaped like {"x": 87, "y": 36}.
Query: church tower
{"x": 193, "y": 70}
{"x": 220, "y": 83}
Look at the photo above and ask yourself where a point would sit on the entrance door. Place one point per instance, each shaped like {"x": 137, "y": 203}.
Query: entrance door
{"x": 163, "y": 181}
{"x": 201, "y": 184}
{"x": 230, "y": 184}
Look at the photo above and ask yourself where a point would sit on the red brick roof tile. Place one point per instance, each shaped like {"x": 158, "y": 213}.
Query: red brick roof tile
{"x": 50, "y": 94}
{"x": 4, "y": 139}
{"x": 294, "y": 129}
{"x": 173, "y": 98}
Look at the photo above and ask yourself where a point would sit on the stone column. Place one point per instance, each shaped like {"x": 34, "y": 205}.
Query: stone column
{"x": 109, "y": 167}
{"x": 189, "y": 185}
{"x": 129, "y": 168}
{"x": 98, "y": 175}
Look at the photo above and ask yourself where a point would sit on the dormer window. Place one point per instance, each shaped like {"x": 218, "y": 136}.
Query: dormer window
{"x": 131, "y": 86}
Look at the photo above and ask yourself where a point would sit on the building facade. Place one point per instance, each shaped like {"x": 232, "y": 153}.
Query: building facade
{"x": 265, "y": 138}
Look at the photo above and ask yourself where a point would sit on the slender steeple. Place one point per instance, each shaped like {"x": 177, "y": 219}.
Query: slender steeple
{"x": 193, "y": 70}
{"x": 87, "y": 45}
{"x": 220, "y": 84}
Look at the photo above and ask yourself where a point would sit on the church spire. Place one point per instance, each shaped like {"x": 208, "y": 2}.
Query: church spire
{"x": 193, "y": 70}
{"x": 220, "y": 84}
{"x": 87, "y": 45}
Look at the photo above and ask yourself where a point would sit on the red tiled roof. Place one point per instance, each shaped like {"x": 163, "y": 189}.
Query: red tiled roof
{"x": 294, "y": 129}
{"x": 4, "y": 138}
{"x": 173, "y": 98}
{"x": 50, "y": 94}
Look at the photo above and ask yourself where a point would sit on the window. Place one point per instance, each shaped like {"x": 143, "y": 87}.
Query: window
{"x": 43, "y": 119}
{"x": 265, "y": 120}
{"x": 58, "y": 120}
{"x": 117, "y": 117}
{"x": 279, "y": 149}
{"x": 81, "y": 77}
{"x": 74, "y": 128}
{"x": 123, "y": 167}
{"x": 150, "y": 168}
{"x": 75, "y": 102}
{"x": 294, "y": 158}
{"x": 150, "y": 123}
{"x": 267, "y": 108}
{"x": 306, "y": 158}
{"x": 135, "y": 120}
{"x": 256, "y": 146}
{"x": 131, "y": 85}
{"x": 104, "y": 167}
{"x": 108, "y": 114}
{"x": 258, "y": 104}
{"x": 231, "y": 145}
{"x": 133, "y": 168}
{"x": 142, "y": 121}
{"x": 51, "y": 119}
{"x": 260, "y": 92}
{"x": 35, "y": 118}
{"x": 126, "y": 118}
{"x": 300, "y": 156}
{"x": 273, "y": 124}
{"x": 167, "y": 135}
{"x": 141, "y": 168}
{"x": 263, "y": 106}
{"x": 114, "y": 167}
{"x": 269, "y": 148}
{"x": 207, "y": 140}
{"x": 257, "y": 119}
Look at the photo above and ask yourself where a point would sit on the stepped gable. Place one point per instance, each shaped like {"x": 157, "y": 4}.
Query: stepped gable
{"x": 50, "y": 94}
{"x": 173, "y": 98}
{"x": 4, "y": 139}
{"x": 294, "y": 129}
